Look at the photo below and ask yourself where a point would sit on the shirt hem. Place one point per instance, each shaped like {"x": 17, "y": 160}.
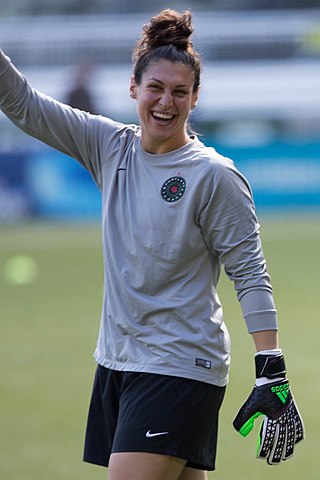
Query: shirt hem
{"x": 168, "y": 370}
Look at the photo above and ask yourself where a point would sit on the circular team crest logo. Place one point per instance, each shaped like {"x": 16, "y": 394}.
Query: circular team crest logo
{"x": 173, "y": 189}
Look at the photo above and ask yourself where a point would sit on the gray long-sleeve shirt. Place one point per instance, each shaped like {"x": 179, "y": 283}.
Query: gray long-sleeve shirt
{"x": 169, "y": 222}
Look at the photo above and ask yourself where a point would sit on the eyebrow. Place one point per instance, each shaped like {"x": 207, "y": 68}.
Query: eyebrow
{"x": 159, "y": 81}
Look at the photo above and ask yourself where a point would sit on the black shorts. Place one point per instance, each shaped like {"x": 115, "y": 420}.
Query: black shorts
{"x": 142, "y": 412}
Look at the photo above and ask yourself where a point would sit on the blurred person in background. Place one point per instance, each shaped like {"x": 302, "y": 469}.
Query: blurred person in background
{"x": 80, "y": 95}
{"x": 174, "y": 212}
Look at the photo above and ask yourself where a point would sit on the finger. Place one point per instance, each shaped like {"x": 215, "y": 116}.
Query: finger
{"x": 291, "y": 434}
{"x": 243, "y": 424}
{"x": 299, "y": 430}
{"x": 290, "y": 441}
{"x": 299, "y": 426}
{"x": 266, "y": 437}
{"x": 244, "y": 420}
{"x": 280, "y": 437}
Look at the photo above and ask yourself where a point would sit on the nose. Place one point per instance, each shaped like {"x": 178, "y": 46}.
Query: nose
{"x": 166, "y": 100}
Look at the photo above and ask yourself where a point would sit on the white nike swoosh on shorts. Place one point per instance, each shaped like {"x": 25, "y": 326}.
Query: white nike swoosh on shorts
{"x": 150, "y": 435}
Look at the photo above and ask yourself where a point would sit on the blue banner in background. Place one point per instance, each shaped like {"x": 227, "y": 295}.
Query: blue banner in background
{"x": 61, "y": 187}
{"x": 47, "y": 184}
{"x": 282, "y": 175}
{"x": 15, "y": 197}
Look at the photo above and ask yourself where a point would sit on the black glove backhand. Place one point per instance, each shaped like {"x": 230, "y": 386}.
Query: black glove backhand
{"x": 283, "y": 427}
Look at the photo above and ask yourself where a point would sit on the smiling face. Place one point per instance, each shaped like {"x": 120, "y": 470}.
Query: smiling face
{"x": 164, "y": 98}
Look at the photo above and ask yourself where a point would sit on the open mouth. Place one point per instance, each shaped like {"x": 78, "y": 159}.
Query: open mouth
{"x": 163, "y": 117}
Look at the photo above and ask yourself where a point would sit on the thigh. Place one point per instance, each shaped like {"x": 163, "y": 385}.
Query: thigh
{"x": 144, "y": 466}
{"x": 193, "y": 474}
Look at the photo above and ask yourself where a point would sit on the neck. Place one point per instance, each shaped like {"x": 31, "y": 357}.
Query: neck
{"x": 164, "y": 147}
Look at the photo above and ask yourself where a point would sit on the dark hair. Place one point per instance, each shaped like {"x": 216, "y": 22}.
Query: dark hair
{"x": 167, "y": 37}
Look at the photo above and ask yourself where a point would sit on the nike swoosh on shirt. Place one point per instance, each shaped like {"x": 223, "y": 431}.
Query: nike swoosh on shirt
{"x": 156, "y": 434}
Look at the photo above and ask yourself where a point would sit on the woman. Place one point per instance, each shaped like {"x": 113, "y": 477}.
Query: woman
{"x": 174, "y": 211}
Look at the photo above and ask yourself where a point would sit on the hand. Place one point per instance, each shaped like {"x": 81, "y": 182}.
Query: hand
{"x": 282, "y": 427}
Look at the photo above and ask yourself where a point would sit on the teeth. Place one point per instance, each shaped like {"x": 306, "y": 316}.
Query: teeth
{"x": 163, "y": 116}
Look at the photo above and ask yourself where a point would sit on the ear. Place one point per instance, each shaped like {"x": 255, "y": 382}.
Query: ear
{"x": 133, "y": 88}
{"x": 195, "y": 98}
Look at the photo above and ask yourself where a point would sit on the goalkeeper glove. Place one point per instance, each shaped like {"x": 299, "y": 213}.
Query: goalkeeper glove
{"x": 282, "y": 427}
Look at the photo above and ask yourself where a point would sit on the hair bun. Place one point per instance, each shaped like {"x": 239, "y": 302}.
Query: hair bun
{"x": 167, "y": 37}
{"x": 168, "y": 28}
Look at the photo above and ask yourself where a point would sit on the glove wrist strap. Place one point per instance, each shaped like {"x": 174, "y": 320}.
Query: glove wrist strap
{"x": 270, "y": 366}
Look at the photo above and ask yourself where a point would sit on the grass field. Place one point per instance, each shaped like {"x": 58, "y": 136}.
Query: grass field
{"x": 49, "y": 323}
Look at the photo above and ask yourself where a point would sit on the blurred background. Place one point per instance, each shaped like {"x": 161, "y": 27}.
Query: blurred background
{"x": 259, "y": 105}
{"x": 260, "y": 100}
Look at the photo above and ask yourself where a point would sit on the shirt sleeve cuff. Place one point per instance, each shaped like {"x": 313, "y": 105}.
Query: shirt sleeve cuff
{"x": 260, "y": 321}
{"x": 259, "y": 310}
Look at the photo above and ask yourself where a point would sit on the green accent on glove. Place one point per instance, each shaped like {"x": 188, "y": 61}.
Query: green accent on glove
{"x": 281, "y": 391}
{"x": 248, "y": 426}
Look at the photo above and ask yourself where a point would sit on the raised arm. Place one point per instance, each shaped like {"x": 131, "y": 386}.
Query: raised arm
{"x": 75, "y": 133}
